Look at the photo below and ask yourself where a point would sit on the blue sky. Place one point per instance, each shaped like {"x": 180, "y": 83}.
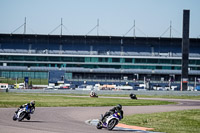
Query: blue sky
{"x": 116, "y": 17}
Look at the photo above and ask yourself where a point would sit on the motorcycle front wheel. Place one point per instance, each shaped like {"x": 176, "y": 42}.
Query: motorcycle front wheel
{"x": 14, "y": 117}
{"x": 112, "y": 123}
{"x": 99, "y": 126}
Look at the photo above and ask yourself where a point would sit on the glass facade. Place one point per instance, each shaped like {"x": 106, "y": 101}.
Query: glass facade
{"x": 125, "y": 56}
{"x": 97, "y": 62}
{"x": 20, "y": 74}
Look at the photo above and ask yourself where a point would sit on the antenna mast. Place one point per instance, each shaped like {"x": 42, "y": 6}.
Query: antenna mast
{"x": 25, "y": 25}
{"x": 61, "y": 27}
{"x": 170, "y": 33}
{"x": 170, "y": 29}
{"x": 134, "y": 29}
{"x": 97, "y": 27}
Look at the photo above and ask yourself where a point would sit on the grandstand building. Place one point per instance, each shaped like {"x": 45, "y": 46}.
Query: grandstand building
{"x": 96, "y": 58}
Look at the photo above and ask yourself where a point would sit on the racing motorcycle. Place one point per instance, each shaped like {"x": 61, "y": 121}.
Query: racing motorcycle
{"x": 133, "y": 96}
{"x": 110, "y": 122}
{"x": 22, "y": 114}
{"x": 93, "y": 94}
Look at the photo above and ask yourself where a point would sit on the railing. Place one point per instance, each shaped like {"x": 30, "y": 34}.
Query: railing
{"x": 108, "y": 53}
{"x": 124, "y": 81}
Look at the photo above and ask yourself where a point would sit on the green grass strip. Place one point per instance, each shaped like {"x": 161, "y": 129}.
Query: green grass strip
{"x": 187, "y": 121}
{"x": 157, "y": 96}
{"x": 50, "y": 100}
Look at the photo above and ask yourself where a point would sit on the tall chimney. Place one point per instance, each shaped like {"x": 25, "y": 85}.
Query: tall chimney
{"x": 185, "y": 50}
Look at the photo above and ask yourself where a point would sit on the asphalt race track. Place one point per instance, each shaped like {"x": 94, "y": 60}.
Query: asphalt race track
{"x": 72, "y": 119}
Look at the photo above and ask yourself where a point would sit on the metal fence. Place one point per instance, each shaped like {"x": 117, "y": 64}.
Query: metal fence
{"x": 109, "y": 92}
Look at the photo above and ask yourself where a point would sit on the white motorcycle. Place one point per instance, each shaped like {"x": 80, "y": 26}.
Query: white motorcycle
{"x": 22, "y": 114}
{"x": 110, "y": 122}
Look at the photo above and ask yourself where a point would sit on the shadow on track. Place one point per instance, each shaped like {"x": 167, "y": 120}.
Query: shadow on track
{"x": 34, "y": 121}
{"x": 130, "y": 130}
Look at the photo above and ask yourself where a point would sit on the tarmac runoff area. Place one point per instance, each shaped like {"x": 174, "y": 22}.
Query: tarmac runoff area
{"x": 73, "y": 119}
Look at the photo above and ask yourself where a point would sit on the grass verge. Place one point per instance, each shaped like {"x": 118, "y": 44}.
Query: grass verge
{"x": 172, "y": 97}
{"x": 159, "y": 96}
{"x": 187, "y": 121}
{"x": 50, "y": 100}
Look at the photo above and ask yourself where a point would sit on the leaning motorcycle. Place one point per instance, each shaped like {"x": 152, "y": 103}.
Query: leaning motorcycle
{"x": 110, "y": 122}
{"x": 93, "y": 95}
{"x": 133, "y": 96}
{"x": 22, "y": 114}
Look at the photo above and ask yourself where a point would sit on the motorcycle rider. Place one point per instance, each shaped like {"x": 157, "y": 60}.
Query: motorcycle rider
{"x": 93, "y": 94}
{"x": 30, "y": 107}
{"x": 133, "y": 96}
{"x": 117, "y": 109}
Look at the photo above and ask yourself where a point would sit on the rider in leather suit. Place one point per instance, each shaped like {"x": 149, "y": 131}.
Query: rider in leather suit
{"x": 29, "y": 107}
{"x": 117, "y": 108}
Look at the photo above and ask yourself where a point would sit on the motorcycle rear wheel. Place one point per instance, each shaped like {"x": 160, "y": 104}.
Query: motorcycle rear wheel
{"x": 28, "y": 117}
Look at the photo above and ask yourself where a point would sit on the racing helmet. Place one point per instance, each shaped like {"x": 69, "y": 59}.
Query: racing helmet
{"x": 119, "y": 107}
{"x": 32, "y": 103}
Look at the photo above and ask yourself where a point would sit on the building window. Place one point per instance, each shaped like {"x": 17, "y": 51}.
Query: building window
{"x": 128, "y": 60}
{"x": 115, "y": 59}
